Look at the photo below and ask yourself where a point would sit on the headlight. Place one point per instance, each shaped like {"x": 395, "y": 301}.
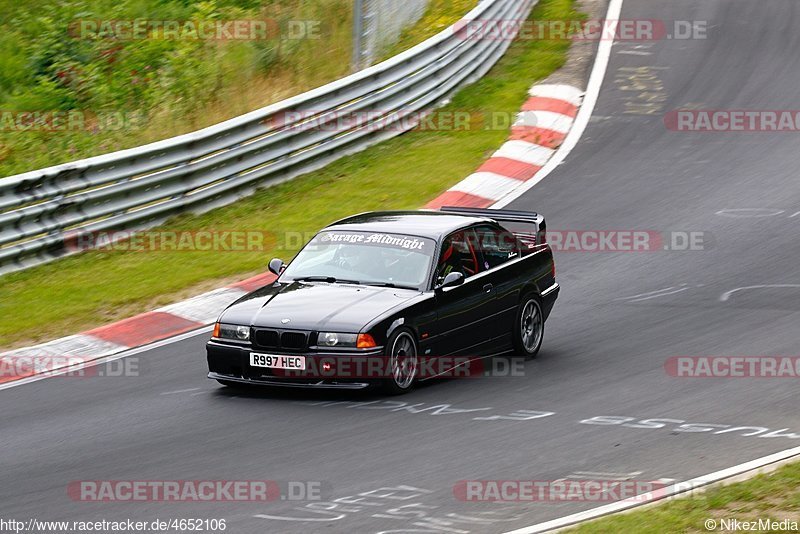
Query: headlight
{"x": 332, "y": 339}
{"x": 232, "y": 331}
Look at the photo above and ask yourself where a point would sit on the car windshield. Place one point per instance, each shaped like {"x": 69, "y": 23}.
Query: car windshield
{"x": 368, "y": 258}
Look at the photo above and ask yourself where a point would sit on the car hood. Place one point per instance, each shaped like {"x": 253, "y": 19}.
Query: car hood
{"x": 315, "y": 306}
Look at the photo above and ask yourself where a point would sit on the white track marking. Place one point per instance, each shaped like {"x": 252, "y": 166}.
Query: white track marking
{"x": 179, "y": 391}
{"x": 749, "y": 213}
{"x": 727, "y": 295}
{"x": 648, "y": 293}
{"x": 656, "y": 293}
{"x": 659, "y": 295}
{"x": 585, "y": 113}
{"x": 731, "y": 474}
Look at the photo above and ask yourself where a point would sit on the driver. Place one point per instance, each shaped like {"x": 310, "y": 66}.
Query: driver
{"x": 349, "y": 257}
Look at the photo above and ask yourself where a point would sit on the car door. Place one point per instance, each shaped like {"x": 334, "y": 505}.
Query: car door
{"x": 463, "y": 325}
{"x": 497, "y": 248}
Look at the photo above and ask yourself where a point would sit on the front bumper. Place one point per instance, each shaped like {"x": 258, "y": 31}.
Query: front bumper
{"x": 349, "y": 369}
{"x": 320, "y": 384}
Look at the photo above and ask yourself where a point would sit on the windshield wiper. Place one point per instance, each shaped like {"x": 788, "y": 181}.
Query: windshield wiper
{"x": 392, "y": 285}
{"x": 328, "y": 279}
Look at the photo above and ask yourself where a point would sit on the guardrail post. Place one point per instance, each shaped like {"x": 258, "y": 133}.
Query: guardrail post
{"x": 358, "y": 31}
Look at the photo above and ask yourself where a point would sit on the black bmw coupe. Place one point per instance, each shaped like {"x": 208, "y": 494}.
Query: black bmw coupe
{"x": 390, "y": 299}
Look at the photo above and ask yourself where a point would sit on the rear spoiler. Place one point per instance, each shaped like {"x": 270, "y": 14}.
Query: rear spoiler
{"x": 517, "y": 221}
{"x": 490, "y": 213}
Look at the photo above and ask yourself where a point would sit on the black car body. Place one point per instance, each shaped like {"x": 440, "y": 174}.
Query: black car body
{"x": 392, "y": 298}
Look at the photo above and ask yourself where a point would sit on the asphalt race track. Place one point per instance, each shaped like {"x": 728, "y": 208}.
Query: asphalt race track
{"x": 604, "y": 351}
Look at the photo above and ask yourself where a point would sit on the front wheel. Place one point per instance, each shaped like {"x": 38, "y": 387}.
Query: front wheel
{"x": 401, "y": 352}
{"x": 529, "y": 326}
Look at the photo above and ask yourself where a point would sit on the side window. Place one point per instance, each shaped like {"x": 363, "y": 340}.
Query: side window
{"x": 496, "y": 246}
{"x": 458, "y": 255}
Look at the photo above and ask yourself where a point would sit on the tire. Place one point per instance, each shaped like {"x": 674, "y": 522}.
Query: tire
{"x": 403, "y": 359}
{"x": 529, "y": 327}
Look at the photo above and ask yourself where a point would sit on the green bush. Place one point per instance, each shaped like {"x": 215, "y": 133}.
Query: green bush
{"x": 48, "y": 65}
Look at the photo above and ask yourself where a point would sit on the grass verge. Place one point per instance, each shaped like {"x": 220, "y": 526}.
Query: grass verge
{"x": 93, "y": 288}
{"x": 116, "y": 92}
{"x": 772, "y": 497}
{"x": 439, "y": 15}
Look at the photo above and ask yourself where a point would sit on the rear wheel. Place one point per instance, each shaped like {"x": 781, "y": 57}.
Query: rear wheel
{"x": 529, "y": 326}
{"x": 401, "y": 352}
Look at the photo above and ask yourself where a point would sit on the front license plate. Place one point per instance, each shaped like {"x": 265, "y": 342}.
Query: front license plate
{"x": 277, "y": 362}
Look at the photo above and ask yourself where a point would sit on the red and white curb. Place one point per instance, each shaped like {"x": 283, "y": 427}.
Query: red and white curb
{"x": 143, "y": 329}
{"x": 540, "y": 128}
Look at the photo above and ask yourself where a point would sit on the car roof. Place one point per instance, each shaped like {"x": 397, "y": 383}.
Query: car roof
{"x": 422, "y": 223}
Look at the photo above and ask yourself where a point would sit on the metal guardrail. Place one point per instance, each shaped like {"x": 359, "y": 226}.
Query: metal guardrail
{"x": 43, "y": 211}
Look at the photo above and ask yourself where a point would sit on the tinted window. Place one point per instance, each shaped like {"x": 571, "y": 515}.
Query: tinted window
{"x": 496, "y": 246}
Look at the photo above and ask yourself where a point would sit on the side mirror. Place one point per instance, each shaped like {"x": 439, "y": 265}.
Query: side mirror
{"x": 452, "y": 280}
{"x": 276, "y": 266}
